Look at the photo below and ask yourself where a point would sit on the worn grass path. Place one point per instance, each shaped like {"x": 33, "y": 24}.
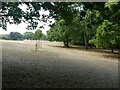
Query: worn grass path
{"x": 54, "y": 67}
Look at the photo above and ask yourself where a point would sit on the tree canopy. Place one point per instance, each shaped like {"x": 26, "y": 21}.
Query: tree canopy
{"x": 28, "y": 35}
{"x": 38, "y": 34}
{"x": 96, "y": 25}
{"x": 12, "y": 13}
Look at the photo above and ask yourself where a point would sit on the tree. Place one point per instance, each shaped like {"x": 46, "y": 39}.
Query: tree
{"x": 28, "y": 35}
{"x": 15, "y": 36}
{"x": 78, "y": 31}
{"x": 59, "y": 32}
{"x": 107, "y": 36}
{"x": 37, "y": 34}
{"x": 108, "y": 31}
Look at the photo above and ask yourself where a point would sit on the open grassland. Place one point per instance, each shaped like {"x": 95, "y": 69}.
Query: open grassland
{"x": 54, "y": 67}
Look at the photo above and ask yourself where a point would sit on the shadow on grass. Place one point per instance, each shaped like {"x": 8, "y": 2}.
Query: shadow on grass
{"x": 105, "y": 52}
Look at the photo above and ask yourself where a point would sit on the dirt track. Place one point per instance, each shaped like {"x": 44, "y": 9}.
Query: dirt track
{"x": 55, "y": 67}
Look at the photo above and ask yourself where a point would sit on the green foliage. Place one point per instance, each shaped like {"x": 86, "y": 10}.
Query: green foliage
{"x": 56, "y": 32}
{"x": 28, "y": 35}
{"x": 15, "y": 36}
{"x": 13, "y": 14}
{"x": 5, "y": 37}
{"x": 59, "y": 32}
{"x": 75, "y": 31}
{"x": 44, "y": 37}
{"x": 38, "y": 34}
{"x": 107, "y": 35}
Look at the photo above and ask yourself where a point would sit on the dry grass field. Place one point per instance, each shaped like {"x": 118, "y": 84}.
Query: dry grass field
{"x": 55, "y": 67}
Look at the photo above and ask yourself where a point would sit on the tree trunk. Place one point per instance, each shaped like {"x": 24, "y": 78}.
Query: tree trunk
{"x": 112, "y": 50}
{"x": 66, "y": 44}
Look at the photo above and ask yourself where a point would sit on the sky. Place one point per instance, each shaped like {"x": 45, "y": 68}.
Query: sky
{"x": 22, "y": 27}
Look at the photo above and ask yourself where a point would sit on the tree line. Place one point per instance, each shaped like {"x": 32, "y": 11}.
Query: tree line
{"x": 27, "y": 35}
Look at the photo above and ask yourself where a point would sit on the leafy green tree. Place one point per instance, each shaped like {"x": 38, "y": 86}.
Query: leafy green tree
{"x": 83, "y": 28}
{"x": 59, "y": 32}
{"x": 15, "y": 36}
{"x": 108, "y": 32}
{"x": 38, "y": 34}
{"x": 78, "y": 31}
{"x": 107, "y": 36}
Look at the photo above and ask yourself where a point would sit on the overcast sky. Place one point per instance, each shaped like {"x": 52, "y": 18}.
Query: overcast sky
{"x": 22, "y": 27}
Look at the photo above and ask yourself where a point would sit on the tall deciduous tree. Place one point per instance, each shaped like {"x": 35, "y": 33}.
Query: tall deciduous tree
{"x": 59, "y": 32}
